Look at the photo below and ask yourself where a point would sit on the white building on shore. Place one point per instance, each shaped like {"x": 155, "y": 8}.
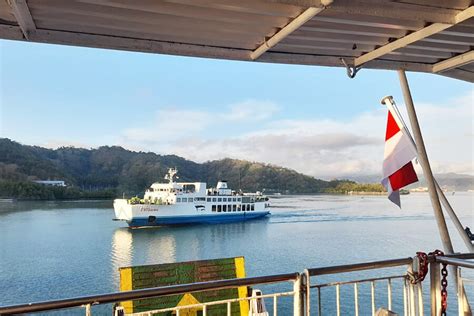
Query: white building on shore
{"x": 55, "y": 183}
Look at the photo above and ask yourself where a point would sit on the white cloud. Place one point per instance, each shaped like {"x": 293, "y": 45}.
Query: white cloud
{"x": 251, "y": 110}
{"x": 168, "y": 125}
{"x": 171, "y": 124}
{"x": 53, "y": 144}
{"x": 326, "y": 148}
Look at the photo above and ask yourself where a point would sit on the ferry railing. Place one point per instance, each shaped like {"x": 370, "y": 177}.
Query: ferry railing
{"x": 413, "y": 302}
{"x": 88, "y": 301}
{"x": 460, "y": 262}
{"x": 311, "y": 274}
{"x": 301, "y": 293}
{"x": 227, "y": 302}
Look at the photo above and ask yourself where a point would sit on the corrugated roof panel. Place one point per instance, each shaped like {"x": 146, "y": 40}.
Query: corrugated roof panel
{"x": 394, "y": 29}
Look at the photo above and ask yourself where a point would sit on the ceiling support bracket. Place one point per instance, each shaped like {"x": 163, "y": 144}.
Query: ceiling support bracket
{"x": 416, "y": 36}
{"x": 351, "y": 69}
{"x": 23, "y": 17}
{"x": 304, "y": 17}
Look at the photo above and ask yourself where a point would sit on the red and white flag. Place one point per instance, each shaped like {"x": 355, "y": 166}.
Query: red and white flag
{"x": 398, "y": 170}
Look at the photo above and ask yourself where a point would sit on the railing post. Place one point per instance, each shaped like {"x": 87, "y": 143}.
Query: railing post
{"x": 307, "y": 292}
{"x": 435, "y": 292}
{"x": 372, "y": 295}
{"x": 389, "y": 294}
{"x": 297, "y": 297}
{"x": 356, "y": 300}
{"x": 420, "y": 299}
{"x": 88, "y": 310}
{"x": 460, "y": 294}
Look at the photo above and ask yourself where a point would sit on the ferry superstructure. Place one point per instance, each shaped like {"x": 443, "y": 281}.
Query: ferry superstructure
{"x": 178, "y": 203}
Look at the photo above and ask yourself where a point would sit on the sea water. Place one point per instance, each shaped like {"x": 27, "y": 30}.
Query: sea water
{"x": 53, "y": 250}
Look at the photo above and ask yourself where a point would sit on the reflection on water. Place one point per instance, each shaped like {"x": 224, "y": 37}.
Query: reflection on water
{"x": 122, "y": 252}
{"x": 167, "y": 244}
{"x": 62, "y": 249}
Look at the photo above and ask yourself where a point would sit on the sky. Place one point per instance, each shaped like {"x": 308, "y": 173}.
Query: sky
{"x": 314, "y": 120}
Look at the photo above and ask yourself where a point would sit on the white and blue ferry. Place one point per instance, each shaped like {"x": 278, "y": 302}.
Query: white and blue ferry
{"x": 177, "y": 203}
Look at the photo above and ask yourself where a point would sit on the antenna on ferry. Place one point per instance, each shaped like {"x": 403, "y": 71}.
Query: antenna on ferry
{"x": 171, "y": 173}
{"x": 240, "y": 180}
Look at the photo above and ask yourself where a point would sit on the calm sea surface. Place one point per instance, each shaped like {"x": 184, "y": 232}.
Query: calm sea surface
{"x": 51, "y": 250}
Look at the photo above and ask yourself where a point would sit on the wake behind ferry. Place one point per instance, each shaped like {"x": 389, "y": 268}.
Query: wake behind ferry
{"x": 177, "y": 203}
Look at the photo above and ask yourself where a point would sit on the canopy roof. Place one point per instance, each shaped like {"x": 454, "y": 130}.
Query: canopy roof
{"x": 434, "y": 36}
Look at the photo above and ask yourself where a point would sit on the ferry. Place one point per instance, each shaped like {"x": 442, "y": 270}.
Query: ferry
{"x": 178, "y": 203}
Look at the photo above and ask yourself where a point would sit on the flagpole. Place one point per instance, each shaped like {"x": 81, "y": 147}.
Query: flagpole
{"x": 425, "y": 165}
{"x": 392, "y": 107}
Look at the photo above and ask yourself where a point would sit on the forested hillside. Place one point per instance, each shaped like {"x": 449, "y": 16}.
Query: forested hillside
{"x": 115, "y": 170}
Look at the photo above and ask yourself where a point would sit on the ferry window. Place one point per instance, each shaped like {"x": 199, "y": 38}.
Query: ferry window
{"x": 178, "y": 200}
{"x": 184, "y": 199}
{"x": 209, "y": 199}
{"x": 229, "y": 207}
{"x": 219, "y": 208}
{"x": 234, "y": 208}
{"x": 219, "y": 200}
{"x": 238, "y": 199}
{"x": 189, "y": 188}
{"x": 224, "y": 200}
{"x": 234, "y": 200}
{"x": 253, "y": 207}
{"x": 224, "y": 208}
{"x": 214, "y": 199}
{"x": 213, "y": 208}
{"x": 238, "y": 208}
{"x": 190, "y": 200}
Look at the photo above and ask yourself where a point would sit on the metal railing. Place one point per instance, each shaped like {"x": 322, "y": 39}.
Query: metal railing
{"x": 227, "y": 302}
{"x": 88, "y": 301}
{"x": 460, "y": 262}
{"x": 412, "y": 297}
{"x": 318, "y": 272}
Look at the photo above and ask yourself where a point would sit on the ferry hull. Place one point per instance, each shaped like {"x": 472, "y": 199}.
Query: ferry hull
{"x": 196, "y": 219}
{"x": 138, "y": 215}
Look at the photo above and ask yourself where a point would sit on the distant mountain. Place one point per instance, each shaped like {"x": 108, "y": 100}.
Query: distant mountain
{"x": 449, "y": 181}
{"x": 131, "y": 172}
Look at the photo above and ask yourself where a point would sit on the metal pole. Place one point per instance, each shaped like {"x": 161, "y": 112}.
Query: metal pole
{"x": 455, "y": 219}
{"x": 435, "y": 285}
{"x": 425, "y": 164}
{"x": 297, "y": 297}
{"x": 392, "y": 107}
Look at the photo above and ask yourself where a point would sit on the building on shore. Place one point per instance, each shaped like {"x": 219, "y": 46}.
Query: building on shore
{"x": 55, "y": 183}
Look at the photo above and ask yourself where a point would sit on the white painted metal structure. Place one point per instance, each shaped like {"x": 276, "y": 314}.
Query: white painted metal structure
{"x": 177, "y": 203}
{"x": 402, "y": 295}
{"x": 434, "y": 36}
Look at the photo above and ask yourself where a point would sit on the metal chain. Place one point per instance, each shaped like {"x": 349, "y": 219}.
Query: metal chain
{"x": 444, "y": 283}
{"x": 444, "y": 292}
{"x": 419, "y": 276}
{"x": 422, "y": 267}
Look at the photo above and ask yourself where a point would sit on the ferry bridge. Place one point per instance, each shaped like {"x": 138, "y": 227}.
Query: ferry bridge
{"x": 430, "y": 36}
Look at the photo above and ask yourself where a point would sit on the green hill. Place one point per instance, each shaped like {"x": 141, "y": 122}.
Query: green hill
{"x": 111, "y": 171}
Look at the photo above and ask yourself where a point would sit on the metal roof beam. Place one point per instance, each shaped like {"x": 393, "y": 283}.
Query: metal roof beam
{"x": 454, "y": 62}
{"x": 23, "y": 17}
{"x": 394, "y": 10}
{"x": 413, "y": 37}
{"x": 301, "y": 19}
